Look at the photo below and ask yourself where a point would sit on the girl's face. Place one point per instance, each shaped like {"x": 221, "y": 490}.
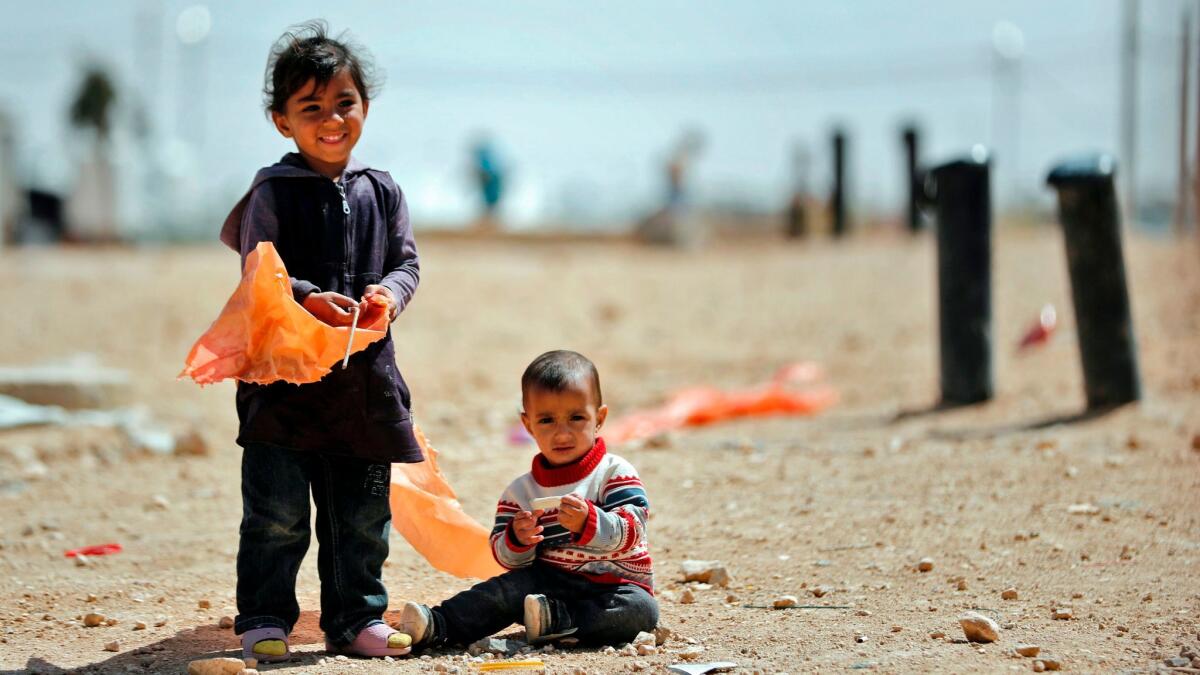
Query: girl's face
{"x": 325, "y": 123}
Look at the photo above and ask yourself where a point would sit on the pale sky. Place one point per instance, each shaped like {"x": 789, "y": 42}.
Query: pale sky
{"x": 584, "y": 99}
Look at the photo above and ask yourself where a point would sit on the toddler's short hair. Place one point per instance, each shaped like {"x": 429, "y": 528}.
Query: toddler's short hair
{"x": 559, "y": 369}
{"x": 306, "y": 52}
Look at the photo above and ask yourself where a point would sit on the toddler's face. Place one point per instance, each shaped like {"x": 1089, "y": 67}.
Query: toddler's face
{"x": 563, "y": 423}
{"x": 325, "y": 123}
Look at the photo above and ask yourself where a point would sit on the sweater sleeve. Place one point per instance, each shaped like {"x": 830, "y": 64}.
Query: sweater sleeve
{"x": 260, "y": 223}
{"x": 401, "y": 267}
{"x": 617, "y": 521}
{"x": 507, "y": 551}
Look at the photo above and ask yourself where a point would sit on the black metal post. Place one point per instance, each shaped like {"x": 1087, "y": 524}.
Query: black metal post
{"x": 915, "y": 188}
{"x": 962, "y": 198}
{"x": 1087, "y": 207}
{"x": 837, "y": 202}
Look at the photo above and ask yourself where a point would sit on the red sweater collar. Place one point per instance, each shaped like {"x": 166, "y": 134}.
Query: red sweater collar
{"x": 547, "y": 475}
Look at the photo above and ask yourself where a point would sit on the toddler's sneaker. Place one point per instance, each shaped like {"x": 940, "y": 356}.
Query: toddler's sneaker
{"x": 416, "y": 620}
{"x": 541, "y": 625}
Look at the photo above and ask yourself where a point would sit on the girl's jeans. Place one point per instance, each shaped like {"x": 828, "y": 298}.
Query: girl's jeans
{"x": 353, "y": 517}
{"x": 603, "y": 614}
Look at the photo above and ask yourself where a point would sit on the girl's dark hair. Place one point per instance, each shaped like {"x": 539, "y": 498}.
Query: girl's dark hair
{"x": 560, "y": 369}
{"x": 306, "y": 52}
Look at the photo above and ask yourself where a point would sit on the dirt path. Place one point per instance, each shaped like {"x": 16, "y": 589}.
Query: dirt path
{"x": 843, "y": 505}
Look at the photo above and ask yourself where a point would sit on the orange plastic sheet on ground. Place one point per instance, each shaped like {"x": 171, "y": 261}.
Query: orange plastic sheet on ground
{"x": 794, "y": 390}
{"x": 263, "y": 335}
{"x": 426, "y": 512}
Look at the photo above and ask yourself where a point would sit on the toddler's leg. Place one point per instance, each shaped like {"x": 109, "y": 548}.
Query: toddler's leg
{"x": 353, "y": 519}
{"x": 612, "y": 615}
{"x": 274, "y": 536}
{"x": 483, "y": 609}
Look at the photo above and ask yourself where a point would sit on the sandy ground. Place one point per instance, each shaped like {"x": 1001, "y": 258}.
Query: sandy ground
{"x": 843, "y": 505}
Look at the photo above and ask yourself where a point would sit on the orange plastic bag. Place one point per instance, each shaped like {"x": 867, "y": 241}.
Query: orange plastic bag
{"x": 699, "y": 406}
{"x": 263, "y": 335}
{"x": 426, "y": 512}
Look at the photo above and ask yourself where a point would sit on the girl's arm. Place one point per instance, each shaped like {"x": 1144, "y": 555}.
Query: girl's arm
{"x": 401, "y": 268}
{"x": 260, "y": 223}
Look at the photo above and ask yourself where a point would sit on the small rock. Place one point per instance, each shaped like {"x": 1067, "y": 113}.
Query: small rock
{"x": 1008, "y": 594}
{"x": 690, "y": 653}
{"x": 897, "y": 629}
{"x": 610, "y": 650}
{"x": 113, "y": 646}
{"x": 979, "y": 628}
{"x": 1039, "y": 667}
{"x": 111, "y": 622}
{"x": 220, "y": 666}
{"x": 731, "y": 598}
{"x": 862, "y": 612}
{"x": 252, "y": 671}
{"x": 962, "y": 585}
{"x": 1027, "y": 650}
{"x": 627, "y": 650}
{"x": 646, "y": 650}
{"x": 785, "y": 601}
{"x": 937, "y": 635}
{"x": 139, "y": 625}
{"x": 1177, "y": 662}
{"x": 860, "y": 638}
{"x": 250, "y": 662}
{"x": 1061, "y": 614}
{"x": 225, "y": 623}
{"x": 1050, "y": 663}
{"x": 687, "y": 597}
{"x": 160, "y": 622}
{"x": 159, "y": 503}
{"x": 341, "y": 657}
{"x": 644, "y": 638}
{"x": 925, "y": 565}
{"x": 1083, "y": 509}
{"x": 820, "y": 591}
{"x": 707, "y": 571}
{"x": 92, "y": 619}
{"x": 82, "y": 560}
{"x": 1196, "y": 442}
{"x": 90, "y": 598}
{"x": 204, "y": 604}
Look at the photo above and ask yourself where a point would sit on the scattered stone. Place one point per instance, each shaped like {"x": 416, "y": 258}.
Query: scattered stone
{"x": 627, "y": 650}
{"x": 1196, "y": 442}
{"x": 862, "y": 612}
{"x": 860, "y": 638}
{"x": 820, "y": 591}
{"x": 979, "y": 628}
{"x": 111, "y": 622}
{"x": 785, "y": 601}
{"x": 1083, "y": 509}
{"x": 661, "y": 634}
{"x": 690, "y": 653}
{"x": 113, "y": 646}
{"x": 1027, "y": 650}
{"x": 646, "y": 650}
{"x": 731, "y": 598}
{"x": 1039, "y": 667}
{"x": 204, "y": 604}
{"x": 218, "y": 666}
{"x": 1177, "y": 662}
{"x": 707, "y": 571}
{"x": 925, "y": 565}
{"x": 897, "y": 629}
{"x": 160, "y": 622}
{"x": 1149, "y": 597}
{"x": 159, "y": 503}
{"x": 82, "y": 560}
{"x": 644, "y": 638}
{"x": 1050, "y": 663}
{"x": 251, "y": 662}
{"x": 92, "y": 619}
{"x": 1008, "y": 594}
{"x": 610, "y": 650}
{"x": 90, "y": 598}
{"x": 1061, "y": 614}
{"x": 139, "y": 625}
{"x": 937, "y": 635}
{"x": 687, "y": 597}
{"x": 638, "y": 666}
{"x": 225, "y": 623}
{"x": 961, "y": 585}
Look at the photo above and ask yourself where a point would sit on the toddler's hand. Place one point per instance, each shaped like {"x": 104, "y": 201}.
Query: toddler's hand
{"x": 332, "y": 308}
{"x": 375, "y": 299}
{"x": 525, "y": 527}
{"x": 573, "y": 513}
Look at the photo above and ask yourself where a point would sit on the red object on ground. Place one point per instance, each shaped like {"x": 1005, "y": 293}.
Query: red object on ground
{"x": 98, "y": 549}
{"x": 1041, "y": 331}
{"x": 697, "y": 406}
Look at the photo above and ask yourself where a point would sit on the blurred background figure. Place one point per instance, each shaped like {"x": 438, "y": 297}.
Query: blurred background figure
{"x": 489, "y": 178}
{"x": 91, "y": 210}
{"x": 796, "y": 226}
{"x": 672, "y": 224}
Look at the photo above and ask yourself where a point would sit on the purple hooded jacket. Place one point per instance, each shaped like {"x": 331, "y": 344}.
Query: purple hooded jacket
{"x": 342, "y": 237}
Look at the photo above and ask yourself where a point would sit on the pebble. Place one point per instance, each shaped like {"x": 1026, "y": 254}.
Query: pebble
{"x": 691, "y": 653}
{"x": 979, "y": 628}
{"x": 92, "y": 619}
{"x": 82, "y": 560}
{"x": 204, "y": 604}
{"x": 90, "y": 598}
{"x": 644, "y": 638}
{"x": 925, "y": 564}
{"x": 937, "y": 635}
{"x": 1008, "y": 594}
{"x": 862, "y": 612}
{"x": 226, "y": 622}
{"x": 687, "y": 597}
{"x": 646, "y": 650}
{"x": 160, "y": 503}
{"x": 160, "y": 622}
{"x": 860, "y": 638}
{"x": 784, "y": 601}
{"x": 609, "y": 650}
{"x": 113, "y": 646}
{"x": 1196, "y": 442}
{"x": 1177, "y": 662}
{"x": 706, "y": 571}
{"x": 110, "y": 622}
{"x": 661, "y": 634}
{"x": 1083, "y": 509}
{"x": 1028, "y": 650}
{"x": 1038, "y": 667}
{"x": 1061, "y": 614}
{"x": 731, "y": 598}
{"x": 820, "y": 591}
{"x": 627, "y": 650}
{"x": 1050, "y": 663}
{"x": 139, "y": 625}
{"x": 218, "y": 666}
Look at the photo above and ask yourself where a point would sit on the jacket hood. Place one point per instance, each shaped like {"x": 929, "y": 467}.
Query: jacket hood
{"x": 292, "y": 165}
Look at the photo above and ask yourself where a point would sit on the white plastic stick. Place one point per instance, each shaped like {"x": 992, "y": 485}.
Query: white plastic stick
{"x": 350, "y": 342}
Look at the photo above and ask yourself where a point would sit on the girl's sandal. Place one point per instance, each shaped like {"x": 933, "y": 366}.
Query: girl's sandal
{"x": 377, "y": 639}
{"x": 267, "y": 645}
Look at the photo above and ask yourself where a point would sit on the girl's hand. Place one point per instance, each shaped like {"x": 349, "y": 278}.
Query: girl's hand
{"x": 525, "y": 527}
{"x": 573, "y": 512}
{"x": 332, "y": 308}
{"x": 375, "y": 299}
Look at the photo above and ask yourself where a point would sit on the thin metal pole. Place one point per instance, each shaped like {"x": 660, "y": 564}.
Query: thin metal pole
{"x": 1129, "y": 105}
{"x": 1181, "y": 201}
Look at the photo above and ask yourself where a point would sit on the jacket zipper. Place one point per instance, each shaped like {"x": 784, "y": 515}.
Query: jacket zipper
{"x": 346, "y": 239}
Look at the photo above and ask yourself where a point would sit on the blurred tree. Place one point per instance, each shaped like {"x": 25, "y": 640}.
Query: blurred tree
{"x": 93, "y": 103}
{"x": 91, "y": 206}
